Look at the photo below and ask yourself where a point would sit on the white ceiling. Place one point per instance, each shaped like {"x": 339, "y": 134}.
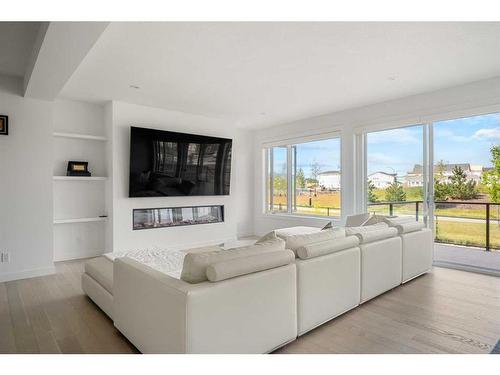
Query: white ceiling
{"x": 262, "y": 74}
{"x": 16, "y": 43}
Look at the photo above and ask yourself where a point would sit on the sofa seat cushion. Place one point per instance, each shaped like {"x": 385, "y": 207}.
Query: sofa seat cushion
{"x": 227, "y": 269}
{"x": 194, "y": 269}
{"x": 101, "y": 270}
{"x": 327, "y": 247}
{"x": 166, "y": 261}
{"x": 370, "y": 234}
{"x": 283, "y": 233}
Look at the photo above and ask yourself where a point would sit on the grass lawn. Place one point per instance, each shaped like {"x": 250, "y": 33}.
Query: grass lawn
{"x": 323, "y": 203}
{"x": 467, "y": 234}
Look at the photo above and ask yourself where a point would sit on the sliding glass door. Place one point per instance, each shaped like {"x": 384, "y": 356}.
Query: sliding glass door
{"x": 446, "y": 174}
{"x": 467, "y": 191}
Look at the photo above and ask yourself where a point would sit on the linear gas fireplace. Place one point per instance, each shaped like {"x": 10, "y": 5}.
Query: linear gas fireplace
{"x": 150, "y": 218}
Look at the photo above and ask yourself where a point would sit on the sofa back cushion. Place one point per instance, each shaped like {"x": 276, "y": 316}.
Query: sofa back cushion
{"x": 372, "y": 233}
{"x": 194, "y": 269}
{"x": 365, "y": 228}
{"x": 294, "y": 242}
{"x": 227, "y": 269}
{"x": 356, "y": 220}
{"x": 409, "y": 227}
{"x": 327, "y": 247}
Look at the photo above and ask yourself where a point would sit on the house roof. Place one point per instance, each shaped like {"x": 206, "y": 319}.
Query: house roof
{"x": 329, "y": 173}
{"x": 387, "y": 174}
{"x": 417, "y": 168}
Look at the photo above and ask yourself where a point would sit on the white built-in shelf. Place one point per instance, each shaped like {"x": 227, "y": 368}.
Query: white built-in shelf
{"x": 78, "y": 178}
{"x": 79, "y": 220}
{"x": 80, "y": 136}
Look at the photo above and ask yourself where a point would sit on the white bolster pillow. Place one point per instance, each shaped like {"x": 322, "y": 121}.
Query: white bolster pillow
{"x": 327, "y": 247}
{"x": 376, "y": 235}
{"x": 243, "y": 266}
{"x": 409, "y": 227}
{"x": 194, "y": 268}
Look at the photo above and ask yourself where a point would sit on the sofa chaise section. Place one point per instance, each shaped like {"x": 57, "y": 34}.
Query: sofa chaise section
{"x": 252, "y": 313}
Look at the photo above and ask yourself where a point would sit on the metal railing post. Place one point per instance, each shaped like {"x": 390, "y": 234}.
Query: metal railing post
{"x": 416, "y": 210}
{"x": 487, "y": 227}
{"x": 391, "y": 209}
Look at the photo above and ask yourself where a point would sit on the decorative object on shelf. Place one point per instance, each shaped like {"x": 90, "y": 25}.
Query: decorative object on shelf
{"x": 4, "y": 125}
{"x": 150, "y": 218}
{"x": 78, "y": 168}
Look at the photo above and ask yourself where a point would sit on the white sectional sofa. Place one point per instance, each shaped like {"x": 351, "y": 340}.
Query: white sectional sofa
{"x": 255, "y": 299}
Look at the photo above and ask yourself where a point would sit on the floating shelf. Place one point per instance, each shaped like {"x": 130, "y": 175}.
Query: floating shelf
{"x": 80, "y": 136}
{"x": 77, "y": 178}
{"x": 79, "y": 220}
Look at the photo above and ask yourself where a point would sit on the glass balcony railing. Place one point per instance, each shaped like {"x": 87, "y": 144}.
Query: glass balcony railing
{"x": 474, "y": 224}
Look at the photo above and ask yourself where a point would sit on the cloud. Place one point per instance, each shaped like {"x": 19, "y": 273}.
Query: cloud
{"x": 450, "y": 135}
{"x": 487, "y": 134}
{"x": 403, "y": 135}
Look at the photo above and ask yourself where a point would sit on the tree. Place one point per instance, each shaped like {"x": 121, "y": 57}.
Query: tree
{"x": 491, "y": 179}
{"x": 440, "y": 168}
{"x": 300, "y": 179}
{"x": 279, "y": 184}
{"x": 315, "y": 170}
{"x": 441, "y": 188}
{"x": 371, "y": 192}
{"x": 395, "y": 192}
{"x": 460, "y": 187}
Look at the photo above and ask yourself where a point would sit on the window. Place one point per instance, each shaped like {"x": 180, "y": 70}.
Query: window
{"x": 304, "y": 178}
{"x": 395, "y": 171}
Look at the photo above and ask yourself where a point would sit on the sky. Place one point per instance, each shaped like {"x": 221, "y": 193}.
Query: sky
{"x": 325, "y": 153}
{"x": 466, "y": 140}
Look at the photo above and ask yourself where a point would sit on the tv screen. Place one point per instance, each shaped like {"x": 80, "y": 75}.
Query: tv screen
{"x": 164, "y": 163}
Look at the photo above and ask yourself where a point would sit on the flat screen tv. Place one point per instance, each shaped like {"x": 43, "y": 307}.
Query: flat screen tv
{"x": 164, "y": 163}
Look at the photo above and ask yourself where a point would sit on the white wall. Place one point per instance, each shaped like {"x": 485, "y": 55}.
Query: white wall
{"x": 475, "y": 98}
{"x": 25, "y": 184}
{"x": 238, "y": 206}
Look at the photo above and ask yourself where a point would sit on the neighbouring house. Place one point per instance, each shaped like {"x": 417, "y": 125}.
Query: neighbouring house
{"x": 415, "y": 177}
{"x": 382, "y": 180}
{"x": 329, "y": 180}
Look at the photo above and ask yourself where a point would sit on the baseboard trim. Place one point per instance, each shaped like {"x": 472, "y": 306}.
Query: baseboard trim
{"x": 27, "y": 274}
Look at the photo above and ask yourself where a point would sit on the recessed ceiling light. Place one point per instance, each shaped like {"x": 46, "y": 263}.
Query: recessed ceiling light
{"x": 391, "y": 78}
{"x": 263, "y": 113}
{"x": 134, "y": 87}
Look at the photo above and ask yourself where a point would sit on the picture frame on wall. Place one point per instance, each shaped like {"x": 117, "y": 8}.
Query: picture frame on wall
{"x": 4, "y": 125}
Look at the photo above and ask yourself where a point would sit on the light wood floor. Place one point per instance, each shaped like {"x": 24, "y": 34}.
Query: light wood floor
{"x": 446, "y": 311}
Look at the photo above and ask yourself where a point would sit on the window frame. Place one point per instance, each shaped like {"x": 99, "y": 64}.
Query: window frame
{"x": 289, "y": 143}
